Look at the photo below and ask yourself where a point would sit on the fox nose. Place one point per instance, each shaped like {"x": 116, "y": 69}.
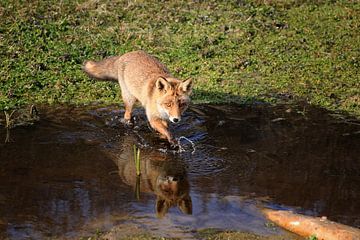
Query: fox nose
{"x": 175, "y": 119}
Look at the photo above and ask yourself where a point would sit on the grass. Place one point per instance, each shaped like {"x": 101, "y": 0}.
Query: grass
{"x": 208, "y": 234}
{"x": 138, "y": 171}
{"x": 245, "y": 236}
{"x": 236, "y": 51}
{"x": 8, "y": 120}
{"x": 137, "y": 160}
{"x": 21, "y": 117}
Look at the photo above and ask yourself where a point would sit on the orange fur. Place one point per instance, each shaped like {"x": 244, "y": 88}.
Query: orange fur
{"x": 145, "y": 79}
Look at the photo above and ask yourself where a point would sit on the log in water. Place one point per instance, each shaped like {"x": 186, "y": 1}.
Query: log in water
{"x": 307, "y": 226}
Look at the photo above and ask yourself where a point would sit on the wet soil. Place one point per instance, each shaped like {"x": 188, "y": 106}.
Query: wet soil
{"x": 72, "y": 174}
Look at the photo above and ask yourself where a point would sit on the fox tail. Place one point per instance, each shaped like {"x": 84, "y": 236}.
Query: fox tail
{"x": 106, "y": 69}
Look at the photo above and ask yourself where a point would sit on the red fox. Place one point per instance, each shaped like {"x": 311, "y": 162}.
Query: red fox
{"x": 145, "y": 79}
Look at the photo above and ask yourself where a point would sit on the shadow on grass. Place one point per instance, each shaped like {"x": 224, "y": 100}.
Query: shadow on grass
{"x": 201, "y": 96}
{"x": 266, "y": 99}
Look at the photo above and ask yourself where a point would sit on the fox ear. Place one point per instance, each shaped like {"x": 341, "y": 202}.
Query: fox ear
{"x": 162, "y": 84}
{"x": 162, "y": 207}
{"x": 186, "y": 86}
{"x": 185, "y": 205}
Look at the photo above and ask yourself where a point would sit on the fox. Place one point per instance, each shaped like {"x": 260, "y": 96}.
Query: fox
{"x": 145, "y": 79}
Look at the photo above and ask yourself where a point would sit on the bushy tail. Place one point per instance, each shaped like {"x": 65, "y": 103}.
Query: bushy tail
{"x": 106, "y": 69}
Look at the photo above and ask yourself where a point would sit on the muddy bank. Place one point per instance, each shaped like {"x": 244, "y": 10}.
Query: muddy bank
{"x": 70, "y": 174}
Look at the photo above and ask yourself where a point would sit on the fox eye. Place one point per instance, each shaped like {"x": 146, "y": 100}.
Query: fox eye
{"x": 168, "y": 104}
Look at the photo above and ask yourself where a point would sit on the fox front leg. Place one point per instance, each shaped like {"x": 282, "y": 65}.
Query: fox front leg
{"x": 162, "y": 127}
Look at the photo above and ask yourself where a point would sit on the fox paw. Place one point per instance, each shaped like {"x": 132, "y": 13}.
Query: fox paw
{"x": 174, "y": 144}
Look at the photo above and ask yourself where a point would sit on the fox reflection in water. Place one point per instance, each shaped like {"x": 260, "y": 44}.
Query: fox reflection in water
{"x": 163, "y": 175}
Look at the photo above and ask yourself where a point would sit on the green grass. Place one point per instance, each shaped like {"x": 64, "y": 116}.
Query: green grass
{"x": 137, "y": 160}
{"x": 216, "y": 234}
{"x": 206, "y": 234}
{"x": 236, "y": 51}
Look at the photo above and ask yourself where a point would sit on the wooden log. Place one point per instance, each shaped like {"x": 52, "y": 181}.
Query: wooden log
{"x": 307, "y": 226}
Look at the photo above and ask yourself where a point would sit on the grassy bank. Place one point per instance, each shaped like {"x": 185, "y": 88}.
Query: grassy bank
{"x": 236, "y": 51}
{"x": 205, "y": 234}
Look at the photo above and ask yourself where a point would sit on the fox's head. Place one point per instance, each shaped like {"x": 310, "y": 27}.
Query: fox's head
{"x": 173, "y": 97}
{"x": 172, "y": 191}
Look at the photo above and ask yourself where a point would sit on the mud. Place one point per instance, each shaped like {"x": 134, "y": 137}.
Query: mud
{"x": 72, "y": 173}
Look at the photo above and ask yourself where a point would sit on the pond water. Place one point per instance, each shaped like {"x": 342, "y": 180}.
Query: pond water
{"x": 72, "y": 174}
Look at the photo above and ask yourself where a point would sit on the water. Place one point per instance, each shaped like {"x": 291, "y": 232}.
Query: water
{"x": 72, "y": 173}
{"x": 181, "y": 146}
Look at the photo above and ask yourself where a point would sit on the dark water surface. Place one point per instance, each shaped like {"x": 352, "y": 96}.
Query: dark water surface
{"x": 72, "y": 173}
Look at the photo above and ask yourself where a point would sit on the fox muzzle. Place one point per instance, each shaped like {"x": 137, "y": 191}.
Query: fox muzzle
{"x": 175, "y": 119}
